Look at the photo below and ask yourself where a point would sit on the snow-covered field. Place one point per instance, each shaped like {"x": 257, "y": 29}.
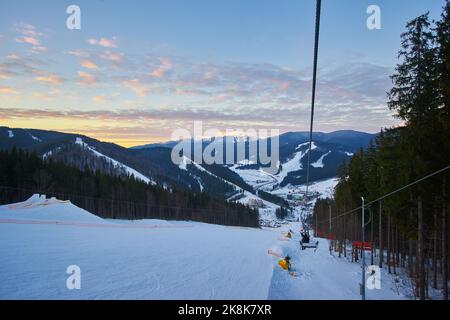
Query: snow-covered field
{"x": 154, "y": 259}
{"x": 324, "y": 187}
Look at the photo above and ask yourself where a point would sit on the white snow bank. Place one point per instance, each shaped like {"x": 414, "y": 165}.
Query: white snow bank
{"x": 10, "y": 134}
{"x": 176, "y": 260}
{"x": 37, "y": 207}
{"x": 325, "y": 187}
{"x": 319, "y": 162}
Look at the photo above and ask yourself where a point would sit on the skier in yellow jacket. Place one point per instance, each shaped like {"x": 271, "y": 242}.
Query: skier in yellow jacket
{"x": 285, "y": 263}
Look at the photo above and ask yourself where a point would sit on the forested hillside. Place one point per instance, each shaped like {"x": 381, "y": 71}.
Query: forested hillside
{"x": 407, "y": 221}
{"x": 109, "y": 196}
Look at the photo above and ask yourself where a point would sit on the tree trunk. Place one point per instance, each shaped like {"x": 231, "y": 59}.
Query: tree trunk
{"x": 410, "y": 251}
{"x": 395, "y": 248}
{"x": 435, "y": 251}
{"x": 389, "y": 244}
{"x": 345, "y": 236}
{"x": 420, "y": 250}
{"x": 444, "y": 245}
{"x": 380, "y": 234}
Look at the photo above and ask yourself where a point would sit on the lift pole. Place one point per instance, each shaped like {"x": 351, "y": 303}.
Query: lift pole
{"x": 314, "y": 80}
{"x": 363, "y": 271}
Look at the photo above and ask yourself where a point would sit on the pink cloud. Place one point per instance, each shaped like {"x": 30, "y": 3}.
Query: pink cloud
{"x": 99, "y": 99}
{"x": 30, "y": 36}
{"x": 51, "y": 78}
{"x": 4, "y": 75}
{"x": 8, "y": 90}
{"x": 161, "y": 71}
{"x": 135, "y": 85}
{"x": 86, "y": 78}
{"x": 111, "y": 56}
{"x": 89, "y": 64}
{"x": 31, "y": 40}
{"x": 104, "y": 42}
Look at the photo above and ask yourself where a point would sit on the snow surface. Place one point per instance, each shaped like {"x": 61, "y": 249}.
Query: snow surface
{"x": 172, "y": 260}
{"x": 10, "y": 134}
{"x": 322, "y": 275}
{"x": 258, "y": 178}
{"x": 35, "y": 138}
{"x": 254, "y": 177}
{"x": 324, "y": 188}
{"x": 319, "y": 162}
{"x": 294, "y": 164}
{"x": 267, "y": 213}
{"x": 155, "y": 259}
{"x": 116, "y": 163}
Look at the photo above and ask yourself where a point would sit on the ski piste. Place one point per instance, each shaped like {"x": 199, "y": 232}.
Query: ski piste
{"x": 218, "y": 258}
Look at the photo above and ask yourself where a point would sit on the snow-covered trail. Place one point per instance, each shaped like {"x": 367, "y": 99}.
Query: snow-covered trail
{"x": 175, "y": 260}
{"x": 324, "y": 276}
{"x": 156, "y": 259}
{"x": 202, "y": 262}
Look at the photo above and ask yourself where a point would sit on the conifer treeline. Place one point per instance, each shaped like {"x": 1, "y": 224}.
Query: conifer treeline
{"x": 408, "y": 229}
{"x": 22, "y": 174}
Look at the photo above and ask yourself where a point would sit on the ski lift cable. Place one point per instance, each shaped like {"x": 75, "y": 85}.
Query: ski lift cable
{"x": 389, "y": 194}
{"x": 313, "y": 97}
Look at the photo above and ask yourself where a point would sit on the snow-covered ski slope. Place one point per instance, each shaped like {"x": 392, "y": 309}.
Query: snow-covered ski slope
{"x": 154, "y": 259}
{"x": 322, "y": 275}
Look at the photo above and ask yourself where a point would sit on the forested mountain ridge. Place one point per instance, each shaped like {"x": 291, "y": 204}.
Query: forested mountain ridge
{"x": 155, "y": 165}
{"x": 23, "y": 174}
{"x": 153, "y": 162}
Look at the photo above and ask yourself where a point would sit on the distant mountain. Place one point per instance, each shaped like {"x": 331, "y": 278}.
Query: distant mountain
{"x": 330, "y": 149}
{"x": 168, "y": 144}
{"x": 152, "y": 163}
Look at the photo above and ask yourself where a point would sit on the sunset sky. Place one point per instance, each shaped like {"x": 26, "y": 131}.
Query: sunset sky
{"x": 137, "y": 69}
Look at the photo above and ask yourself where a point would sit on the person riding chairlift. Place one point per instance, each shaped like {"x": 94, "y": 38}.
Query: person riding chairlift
{"x": 305, "y": 237}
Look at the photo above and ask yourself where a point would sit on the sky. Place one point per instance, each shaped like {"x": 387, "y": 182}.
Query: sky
{"x": 138, "y": 70}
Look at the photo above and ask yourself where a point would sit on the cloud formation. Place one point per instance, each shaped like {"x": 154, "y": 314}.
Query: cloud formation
{"x": 86, "y": 78}
{"x": 135, "y": 85}
{"x": 88, "y": 64}
{"x": 104, "y": 42}
{"x": 29, "y": 35}
{"x": 162, "y": 93}
{"x": 161, "y": 71}
{"x": 49, "y": 78}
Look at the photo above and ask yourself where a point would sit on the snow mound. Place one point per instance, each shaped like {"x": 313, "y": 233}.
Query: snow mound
{"x": 38, "y": 207}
